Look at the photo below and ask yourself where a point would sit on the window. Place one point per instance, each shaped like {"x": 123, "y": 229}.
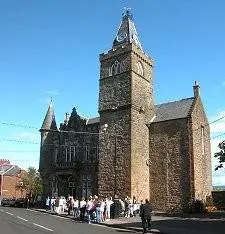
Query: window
{"x": 87, "y": 152}
{"x": 73, "y": 153}
{"x": 116, "y": 68}
{"x": 203, "y": 139}
{"x": 140, "y": 69}
{"x": 67, "y": 154}
{"x": 56, "y": 154}
{"x": 71, "y": 184}
{"x": 86, "y": 185}
{"x": 95, "y": 153}
{"x": 110, "y": 71}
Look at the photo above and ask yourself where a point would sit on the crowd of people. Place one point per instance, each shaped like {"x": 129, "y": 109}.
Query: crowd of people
{"x": 97, "y": 209}
{"x": 93, "y": 209}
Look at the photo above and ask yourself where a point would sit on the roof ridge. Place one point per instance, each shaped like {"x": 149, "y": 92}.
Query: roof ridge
{"x": 183, "y": 99}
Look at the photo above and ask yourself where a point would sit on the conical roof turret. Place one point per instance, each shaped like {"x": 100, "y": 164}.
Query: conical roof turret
{"x": 49, "y": 122}
{"x": 127, "y": 32}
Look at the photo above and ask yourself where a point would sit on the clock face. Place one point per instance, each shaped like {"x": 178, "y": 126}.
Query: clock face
{"x": 121, "y": 36}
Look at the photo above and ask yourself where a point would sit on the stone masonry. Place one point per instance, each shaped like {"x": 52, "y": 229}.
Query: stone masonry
{"x": 134, "y": 148}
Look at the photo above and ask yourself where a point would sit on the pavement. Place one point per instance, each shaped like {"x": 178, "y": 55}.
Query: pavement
{"x": 163, "y": 223}
{"x": 131, "y": 224}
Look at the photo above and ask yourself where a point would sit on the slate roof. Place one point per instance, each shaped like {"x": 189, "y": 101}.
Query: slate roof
{"x": 127, "y": 32}
{"x": 13, "y": 171}
{"x": 93, "y": 120}
{"x": 173, "y": 110}
{"x": 49, "y": 121}
{"x": 166, "y": 111}
{"x": 9, "y": 170}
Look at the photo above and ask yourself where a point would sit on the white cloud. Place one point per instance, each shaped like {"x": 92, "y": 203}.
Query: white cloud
{"x": 27, "y": 136}
{"x": 52, "y": 92}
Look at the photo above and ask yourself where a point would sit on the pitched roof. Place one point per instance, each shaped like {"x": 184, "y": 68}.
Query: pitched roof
{"x": 127, "y": 32}
{"x": 173, "y": 110}
{"x": 13, "y": 171}
{"x": 93, "y": 120}
{"x": 9, "y": 170}
{"x": 165, "y": 111}
{"x": 49, "y": 121}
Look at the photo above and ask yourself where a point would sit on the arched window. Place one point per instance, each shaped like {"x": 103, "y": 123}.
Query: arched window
{"x": 110, "y": 70}
{"x": 116, "y": 68}
{"x": 140, "y": 69}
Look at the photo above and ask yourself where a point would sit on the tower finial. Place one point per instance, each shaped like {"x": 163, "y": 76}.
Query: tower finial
{"x": 127, "y": 13}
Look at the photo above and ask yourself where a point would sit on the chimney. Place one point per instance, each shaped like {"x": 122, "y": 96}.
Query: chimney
{"x": 196, "y": 89}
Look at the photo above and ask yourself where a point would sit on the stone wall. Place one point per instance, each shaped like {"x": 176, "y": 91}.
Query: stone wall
{"x": 126, "y": 106}
{"x": 169, "y": 165}
{"x": 201, "y": 152}
{"x": 114, "y": 154}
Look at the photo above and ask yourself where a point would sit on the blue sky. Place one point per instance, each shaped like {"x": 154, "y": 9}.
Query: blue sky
{"x": 50, "y": 48}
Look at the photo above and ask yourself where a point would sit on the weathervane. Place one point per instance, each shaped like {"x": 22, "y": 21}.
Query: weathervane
{"x": 127, "y": 12}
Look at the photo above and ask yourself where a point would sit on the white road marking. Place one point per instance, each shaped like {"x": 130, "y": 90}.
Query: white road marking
{"x": 9, "y": 213}
{"x": 43, "y": 227}
{"x": 21, "y": 218}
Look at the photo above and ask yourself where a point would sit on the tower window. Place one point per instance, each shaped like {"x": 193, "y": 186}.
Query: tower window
{"x": 140, "y": 69}
{"x": 116, "y": 68}
{"x": 110, "y": 71}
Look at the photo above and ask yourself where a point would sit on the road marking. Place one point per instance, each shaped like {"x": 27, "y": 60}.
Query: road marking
{"x": 9, "y": 213}
{"x": 43, "y": 227}
{"x": 21, "y": 218}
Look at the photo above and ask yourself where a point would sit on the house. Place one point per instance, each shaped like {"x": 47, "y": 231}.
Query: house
{"x": 10, "y": 176}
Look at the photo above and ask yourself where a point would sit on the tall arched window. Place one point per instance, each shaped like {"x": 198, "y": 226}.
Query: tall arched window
{"x": 140, "y": 69}
{"x": 116, "y": 68}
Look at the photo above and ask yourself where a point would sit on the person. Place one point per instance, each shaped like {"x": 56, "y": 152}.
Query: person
{"x": 47, "y": 203}
{"x": 70, "y": 204}
{"x": 27, "y": 200}
{"x": 146, "y": 215}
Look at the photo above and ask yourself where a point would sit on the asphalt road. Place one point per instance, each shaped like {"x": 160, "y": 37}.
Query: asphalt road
{"x": 23, "y": 221}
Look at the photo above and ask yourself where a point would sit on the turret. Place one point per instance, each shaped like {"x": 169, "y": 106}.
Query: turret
{"x": 49, "y": 124}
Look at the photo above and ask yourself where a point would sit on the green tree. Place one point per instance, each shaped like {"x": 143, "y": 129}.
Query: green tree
{"x": 220, "y": 155}
{"x": 31, "y": 183}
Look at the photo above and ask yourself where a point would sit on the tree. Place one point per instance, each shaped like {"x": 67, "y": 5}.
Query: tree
{"x": 220, "y": 155}
{"x": 31, "y": 183}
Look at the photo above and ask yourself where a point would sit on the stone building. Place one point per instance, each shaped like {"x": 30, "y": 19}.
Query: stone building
{"x": 134, "y": 147}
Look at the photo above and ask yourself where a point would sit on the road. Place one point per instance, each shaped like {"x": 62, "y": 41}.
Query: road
{"x": 22, "y": 221}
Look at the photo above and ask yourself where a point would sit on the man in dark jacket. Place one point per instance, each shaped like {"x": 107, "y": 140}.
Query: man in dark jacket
{"x": 145, "y": 214}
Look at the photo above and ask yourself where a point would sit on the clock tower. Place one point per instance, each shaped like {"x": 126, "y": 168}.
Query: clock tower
{"x": 126, "y": 107}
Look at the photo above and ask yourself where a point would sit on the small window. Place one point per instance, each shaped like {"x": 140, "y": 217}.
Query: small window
{"x": 110, "y": 71}
{"x": 140, "y": 69}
